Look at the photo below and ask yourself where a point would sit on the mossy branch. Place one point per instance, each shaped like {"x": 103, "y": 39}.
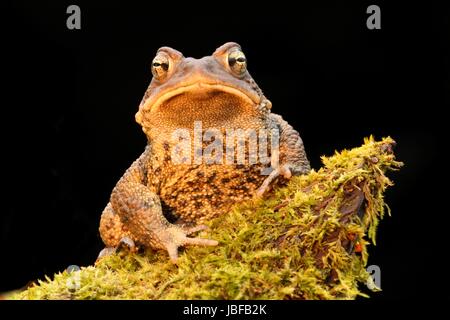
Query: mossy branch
{"x": 308, "y": 241}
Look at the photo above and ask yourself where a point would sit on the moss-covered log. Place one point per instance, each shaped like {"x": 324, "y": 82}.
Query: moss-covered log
{"x": 308, "y": 241}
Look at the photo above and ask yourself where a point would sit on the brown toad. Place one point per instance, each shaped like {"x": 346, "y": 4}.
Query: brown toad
{"x": 214, "y": 104}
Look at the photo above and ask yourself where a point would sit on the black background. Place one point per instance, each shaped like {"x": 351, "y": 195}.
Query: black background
{"x": 68, "y": 128}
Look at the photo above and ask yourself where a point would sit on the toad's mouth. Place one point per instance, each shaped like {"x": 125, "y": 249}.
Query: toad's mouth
{"x": 202, "y": 101}
{"x": 201, "y": 91}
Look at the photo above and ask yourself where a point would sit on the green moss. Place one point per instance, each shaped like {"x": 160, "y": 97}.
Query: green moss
{"x": 298, "y": 244}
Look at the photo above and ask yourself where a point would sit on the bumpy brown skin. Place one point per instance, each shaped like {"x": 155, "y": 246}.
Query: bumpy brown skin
{"x": 155, "y": 190}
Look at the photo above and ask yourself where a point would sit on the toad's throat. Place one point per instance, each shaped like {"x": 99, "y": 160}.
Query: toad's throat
{"x": 209, "y": 105}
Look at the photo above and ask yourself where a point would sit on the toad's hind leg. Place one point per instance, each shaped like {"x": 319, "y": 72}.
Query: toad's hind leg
{"x": 140, "y": 213}
{"x": 113, "y": 233}
{"x": 112, "y": 230}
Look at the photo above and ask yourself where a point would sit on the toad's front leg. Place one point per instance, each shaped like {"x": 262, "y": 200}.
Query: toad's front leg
{"x": 291, "y": 157}
{"x": 141, "y": 214}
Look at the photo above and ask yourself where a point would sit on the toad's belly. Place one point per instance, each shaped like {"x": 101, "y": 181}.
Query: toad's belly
{"x": 197, "y": 193}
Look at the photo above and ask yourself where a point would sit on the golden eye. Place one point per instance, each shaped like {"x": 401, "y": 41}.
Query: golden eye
{"x": 160, "y": 66}
{"x": 237, "y": 62}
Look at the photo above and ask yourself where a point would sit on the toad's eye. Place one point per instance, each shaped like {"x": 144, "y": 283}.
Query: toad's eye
{"x": 160, "y": 66}
{"x": 237, "y": 62}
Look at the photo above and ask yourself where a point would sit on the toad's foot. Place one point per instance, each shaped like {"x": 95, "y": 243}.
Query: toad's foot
{"x": 125, "y": 244}
{"x": 174, "y": 236}
{"x": 284, "y": 171}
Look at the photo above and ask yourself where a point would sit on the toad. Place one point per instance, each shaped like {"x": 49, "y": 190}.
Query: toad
{"x": 210, "y": 135}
